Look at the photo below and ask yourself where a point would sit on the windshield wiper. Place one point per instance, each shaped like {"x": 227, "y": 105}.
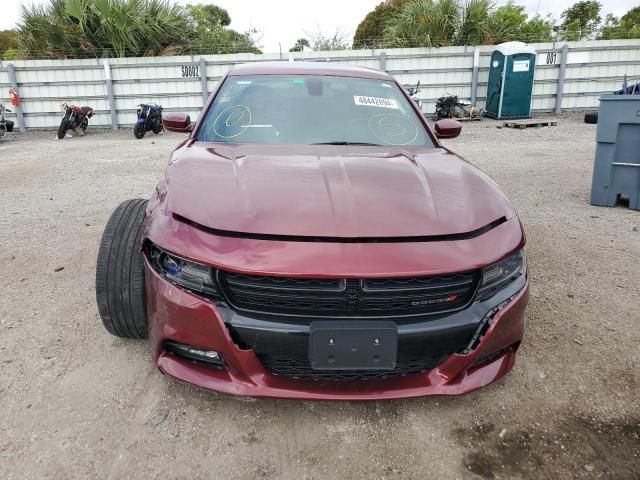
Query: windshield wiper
{"x": 348, "y": 143}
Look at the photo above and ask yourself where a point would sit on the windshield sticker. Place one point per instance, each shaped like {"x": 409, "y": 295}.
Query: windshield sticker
{"x": 232, "y": 121}
{"x": 243, "y": 82}
{"x": 375, "y": 101}
{"x": 393, "y": 129}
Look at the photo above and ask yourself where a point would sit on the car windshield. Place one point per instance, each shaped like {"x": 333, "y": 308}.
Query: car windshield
{"x": 312, "y": 109}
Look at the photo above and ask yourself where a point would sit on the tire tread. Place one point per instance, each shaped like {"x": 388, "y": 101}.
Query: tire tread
{"x": 120, "y": 289}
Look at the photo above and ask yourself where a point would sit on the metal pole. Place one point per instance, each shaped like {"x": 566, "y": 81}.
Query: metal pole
{"x": 561, "y": 77}
{"x": 383, "y": 61}
{"x": 14, "y": 84}
{"x": 203, "y": 80}
{"x": 110, "y": 95}
{"x": 474, "y": 76}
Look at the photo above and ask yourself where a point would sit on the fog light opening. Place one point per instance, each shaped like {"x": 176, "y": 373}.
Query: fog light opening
{"x": 210, "y": 357}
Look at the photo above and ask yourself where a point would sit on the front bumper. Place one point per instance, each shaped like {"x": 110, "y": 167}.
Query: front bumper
{"x": 178, "y": 315}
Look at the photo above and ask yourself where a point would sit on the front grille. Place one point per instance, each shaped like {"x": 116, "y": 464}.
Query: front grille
{"x": 319, "y": 297}
{"x": 286, "y": 366}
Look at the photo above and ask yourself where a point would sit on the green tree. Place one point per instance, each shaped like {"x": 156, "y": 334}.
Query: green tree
{"x": 475, "y": 16}
{"x": 610, "y": 28}
{"x": 300, "y": 44}
{"x": 581, "y": 20}
{"x": 370, "y": 31}
{"x": 630, "y": 23}
{"x": 505, "y": 23}
{"x": 10, "y": 45}
{"x": 628, "y": 26}
{"x": 11, "y": 54}
{"x": 537, "y": 29}
{"x": 424, "y": 23}
{"x": 73, "y": 28}
{"x": 210, "y": 33}
{"x": 120, "y": 28}
{"x": 209, "y": 16}
{"x": 9, "y": 39}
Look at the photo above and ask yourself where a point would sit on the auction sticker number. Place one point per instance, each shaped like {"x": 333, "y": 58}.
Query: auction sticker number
{"x": 375, "y": 101}
{"x": 190, "y": 71}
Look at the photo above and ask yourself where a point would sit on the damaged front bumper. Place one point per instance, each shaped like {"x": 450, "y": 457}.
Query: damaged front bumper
{"x": 469, "y": 348}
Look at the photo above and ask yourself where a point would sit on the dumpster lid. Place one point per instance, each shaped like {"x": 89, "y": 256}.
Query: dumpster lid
{"x": 512, "y": 48}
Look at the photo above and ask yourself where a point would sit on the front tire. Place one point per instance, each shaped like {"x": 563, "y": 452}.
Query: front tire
{"x": 120, "y": 287}
{"x": 157, "y": 126}
{"x": 139, "y": 130}
{"x": 62, "y": 129}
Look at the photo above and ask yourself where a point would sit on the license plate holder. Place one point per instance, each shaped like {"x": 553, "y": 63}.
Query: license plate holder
{"x": 353, "y": 345}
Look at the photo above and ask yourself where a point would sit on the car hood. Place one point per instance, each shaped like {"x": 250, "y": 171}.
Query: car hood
{"x": 331, "y": 191}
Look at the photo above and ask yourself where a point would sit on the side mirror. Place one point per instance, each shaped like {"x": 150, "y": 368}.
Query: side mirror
{"x": 177, "y": 122}
{"x": 447, "y": 128}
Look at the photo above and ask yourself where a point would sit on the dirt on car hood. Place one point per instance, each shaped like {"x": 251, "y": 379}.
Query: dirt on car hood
{"x": 331, "y": 191}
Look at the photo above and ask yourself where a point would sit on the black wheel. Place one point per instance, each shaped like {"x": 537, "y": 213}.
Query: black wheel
{"x": 591, "y": 117}
{"x": 157, "y": 126}
{"x": 62, "y": 129}
{"x": 120, "y": 290}
{"x": 84, "y": 124}
{"x": 139, "y": 130}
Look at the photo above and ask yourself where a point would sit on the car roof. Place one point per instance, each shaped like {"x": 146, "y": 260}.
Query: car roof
{"x": 307, "y": 68}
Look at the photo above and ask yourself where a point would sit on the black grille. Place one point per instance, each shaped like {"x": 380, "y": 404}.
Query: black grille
{"x": 318, "y": 297}
{"x": 290, "y": 367}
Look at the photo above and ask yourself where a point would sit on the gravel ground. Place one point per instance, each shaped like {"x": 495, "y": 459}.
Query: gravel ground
{"x": 79, "y": 403}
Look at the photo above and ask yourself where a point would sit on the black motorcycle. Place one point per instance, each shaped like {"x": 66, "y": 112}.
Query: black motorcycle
{"x": 5, "y": 125}
{"x": 149, "y": 118}
{"x": 75, "y": 118}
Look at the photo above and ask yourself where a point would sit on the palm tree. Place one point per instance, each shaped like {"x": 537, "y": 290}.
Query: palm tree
{"x": 475, "y": 16}
{"x": 71, "y": 28}
{"x": 437, "y": 23}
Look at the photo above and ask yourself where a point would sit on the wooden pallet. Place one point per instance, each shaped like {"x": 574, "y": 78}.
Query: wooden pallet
{"x": 530, "y": 123}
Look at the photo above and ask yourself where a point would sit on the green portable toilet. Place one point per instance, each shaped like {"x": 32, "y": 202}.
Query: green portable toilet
{"x": 510, "y": 84}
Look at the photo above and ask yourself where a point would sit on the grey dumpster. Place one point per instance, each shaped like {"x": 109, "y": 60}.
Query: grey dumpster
{"x": 616, "y": 170}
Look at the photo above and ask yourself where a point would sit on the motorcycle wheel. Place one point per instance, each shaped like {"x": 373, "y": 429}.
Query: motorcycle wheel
{"x": 139, "y": 130}
{"x": 157, "y": 126}
{"x": 3, "y": 130}
{"x": 84, "y": 124}
{"x": 62, "y": 129}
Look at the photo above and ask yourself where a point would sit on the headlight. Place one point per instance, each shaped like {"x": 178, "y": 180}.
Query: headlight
{"x": 497, "y": 276}
{"x": 190, "y": 275}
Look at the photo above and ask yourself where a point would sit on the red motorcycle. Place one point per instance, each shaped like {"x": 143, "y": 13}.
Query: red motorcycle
{"x": 75, "y": 118}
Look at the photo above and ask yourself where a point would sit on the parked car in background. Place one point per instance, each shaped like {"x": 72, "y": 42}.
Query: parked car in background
{"x": 149, "y": 118}
{"x": 312, "y": 238}
{"x": 75, "y": 118}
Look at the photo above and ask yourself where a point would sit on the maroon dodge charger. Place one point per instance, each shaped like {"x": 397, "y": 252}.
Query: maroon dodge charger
{"x": 313, "y": 239}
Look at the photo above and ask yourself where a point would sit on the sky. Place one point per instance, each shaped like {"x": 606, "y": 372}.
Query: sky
{"x": 281, "y": 22}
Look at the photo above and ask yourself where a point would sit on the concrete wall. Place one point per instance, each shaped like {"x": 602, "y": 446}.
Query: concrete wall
{"x": 178, "y": 83}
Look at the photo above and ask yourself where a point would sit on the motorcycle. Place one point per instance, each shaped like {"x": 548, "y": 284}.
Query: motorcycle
{"x": 75, "y": 118}
{"x": 149, "y": 118}
{"x": 5, "y": 125}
